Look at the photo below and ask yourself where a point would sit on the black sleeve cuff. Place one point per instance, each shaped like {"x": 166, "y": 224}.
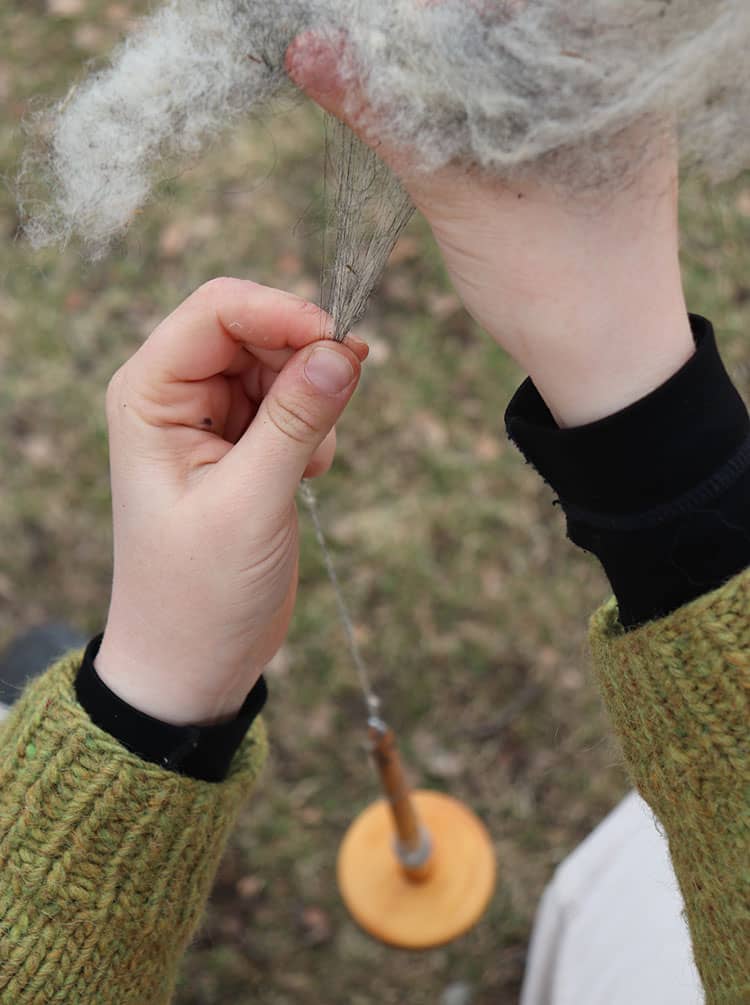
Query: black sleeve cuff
{"x": 202, "y": 752}
{"x": 659, "y": 491}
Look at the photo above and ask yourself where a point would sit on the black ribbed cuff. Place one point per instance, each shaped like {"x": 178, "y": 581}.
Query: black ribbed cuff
{"x": 202, "y": 752}
{"x": 646, "y": 454}
{"x": 659, "y": 491}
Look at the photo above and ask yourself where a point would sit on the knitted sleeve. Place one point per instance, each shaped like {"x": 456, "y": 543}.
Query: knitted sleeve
{"x": 678, "y": 693}
{"x": 106, "y": 861}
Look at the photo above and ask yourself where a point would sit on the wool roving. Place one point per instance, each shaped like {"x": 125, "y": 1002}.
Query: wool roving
{"x": 499, "y": 83}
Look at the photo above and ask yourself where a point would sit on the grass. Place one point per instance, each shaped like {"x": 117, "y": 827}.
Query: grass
{"x": 464, "y": 590}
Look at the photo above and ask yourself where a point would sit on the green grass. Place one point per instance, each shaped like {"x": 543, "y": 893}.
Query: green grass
{"x": 463, "y": 588}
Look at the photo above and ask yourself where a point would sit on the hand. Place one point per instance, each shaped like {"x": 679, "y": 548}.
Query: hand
{"x": 585, "y": 293}
{"x": 212, "y": 424}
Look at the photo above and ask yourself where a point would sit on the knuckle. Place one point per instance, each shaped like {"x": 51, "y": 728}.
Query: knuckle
{"x": 308, "y": 307}
{"x": 290, "y": 420}
{"x": 214, "y": 291}
{"x": 213, "y": 286}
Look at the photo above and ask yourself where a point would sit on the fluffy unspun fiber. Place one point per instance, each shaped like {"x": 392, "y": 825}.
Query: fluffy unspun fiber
{"x": 500, "y": 83}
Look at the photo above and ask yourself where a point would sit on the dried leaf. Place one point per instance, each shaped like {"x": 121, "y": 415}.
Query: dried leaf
{"x": 250, "y": 886}
{"x": 317, "y": 925}
{"x": 65, "y": 8}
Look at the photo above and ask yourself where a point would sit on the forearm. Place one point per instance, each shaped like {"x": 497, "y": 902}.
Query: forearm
{"x": 678, "y": 694}
{"x": 659, "y": 493}
{"x": 106, "y": 859}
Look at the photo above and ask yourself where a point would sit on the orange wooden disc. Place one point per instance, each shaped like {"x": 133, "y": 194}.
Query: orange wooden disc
{"x": 417, "y": 915}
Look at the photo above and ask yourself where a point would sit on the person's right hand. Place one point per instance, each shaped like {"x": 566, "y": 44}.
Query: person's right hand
{"x": 585, "y": 293}
{"x": 212, "y": 424}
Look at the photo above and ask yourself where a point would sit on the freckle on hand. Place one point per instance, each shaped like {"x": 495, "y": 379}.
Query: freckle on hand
{"x": 207, "y": 422}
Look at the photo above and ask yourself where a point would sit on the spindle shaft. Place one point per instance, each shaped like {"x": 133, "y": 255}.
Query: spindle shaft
{"x": 413, "y": 846}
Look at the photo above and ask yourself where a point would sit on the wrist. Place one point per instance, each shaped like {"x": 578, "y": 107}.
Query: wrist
{"x": 166, "y": 687}
{"x": 588, "y": 368}
{"x": 609, "y": 324}
{"x": 557, "y": 279}
{"x": 203, "y": 752}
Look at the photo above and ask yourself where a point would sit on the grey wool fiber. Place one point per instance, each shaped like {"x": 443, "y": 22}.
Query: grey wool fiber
{"x": 505, "y": 85}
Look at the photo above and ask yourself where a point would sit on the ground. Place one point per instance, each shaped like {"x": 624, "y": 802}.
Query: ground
{"x": 470, "y": 605}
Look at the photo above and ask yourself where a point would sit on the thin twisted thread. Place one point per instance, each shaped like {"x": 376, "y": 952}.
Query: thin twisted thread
{"x": 372, "y": 702}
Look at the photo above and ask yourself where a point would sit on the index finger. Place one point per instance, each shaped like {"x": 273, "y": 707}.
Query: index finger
{"x": 201, "y": 337}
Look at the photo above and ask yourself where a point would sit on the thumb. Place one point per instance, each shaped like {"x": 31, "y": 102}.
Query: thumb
{"x": 298, "y": 412}
{"x": 314, "y": 62}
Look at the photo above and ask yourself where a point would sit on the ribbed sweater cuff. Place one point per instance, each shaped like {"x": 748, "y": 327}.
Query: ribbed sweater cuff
{"x": 678, "y": 694}
{"x": 106, "y": 859}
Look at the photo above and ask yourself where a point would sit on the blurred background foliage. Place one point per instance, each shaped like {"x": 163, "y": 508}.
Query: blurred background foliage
{"x": 470, "y": 605}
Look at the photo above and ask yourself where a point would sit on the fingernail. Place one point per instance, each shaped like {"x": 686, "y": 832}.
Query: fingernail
{"x": 328, "y": 370}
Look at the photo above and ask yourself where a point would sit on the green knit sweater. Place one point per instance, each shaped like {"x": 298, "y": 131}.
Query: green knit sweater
{"x": 106, "y": 861}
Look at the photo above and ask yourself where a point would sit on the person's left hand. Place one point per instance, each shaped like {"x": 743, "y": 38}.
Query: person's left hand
{"x": 582, "y": 288}
{"x": 212, "y": 424}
